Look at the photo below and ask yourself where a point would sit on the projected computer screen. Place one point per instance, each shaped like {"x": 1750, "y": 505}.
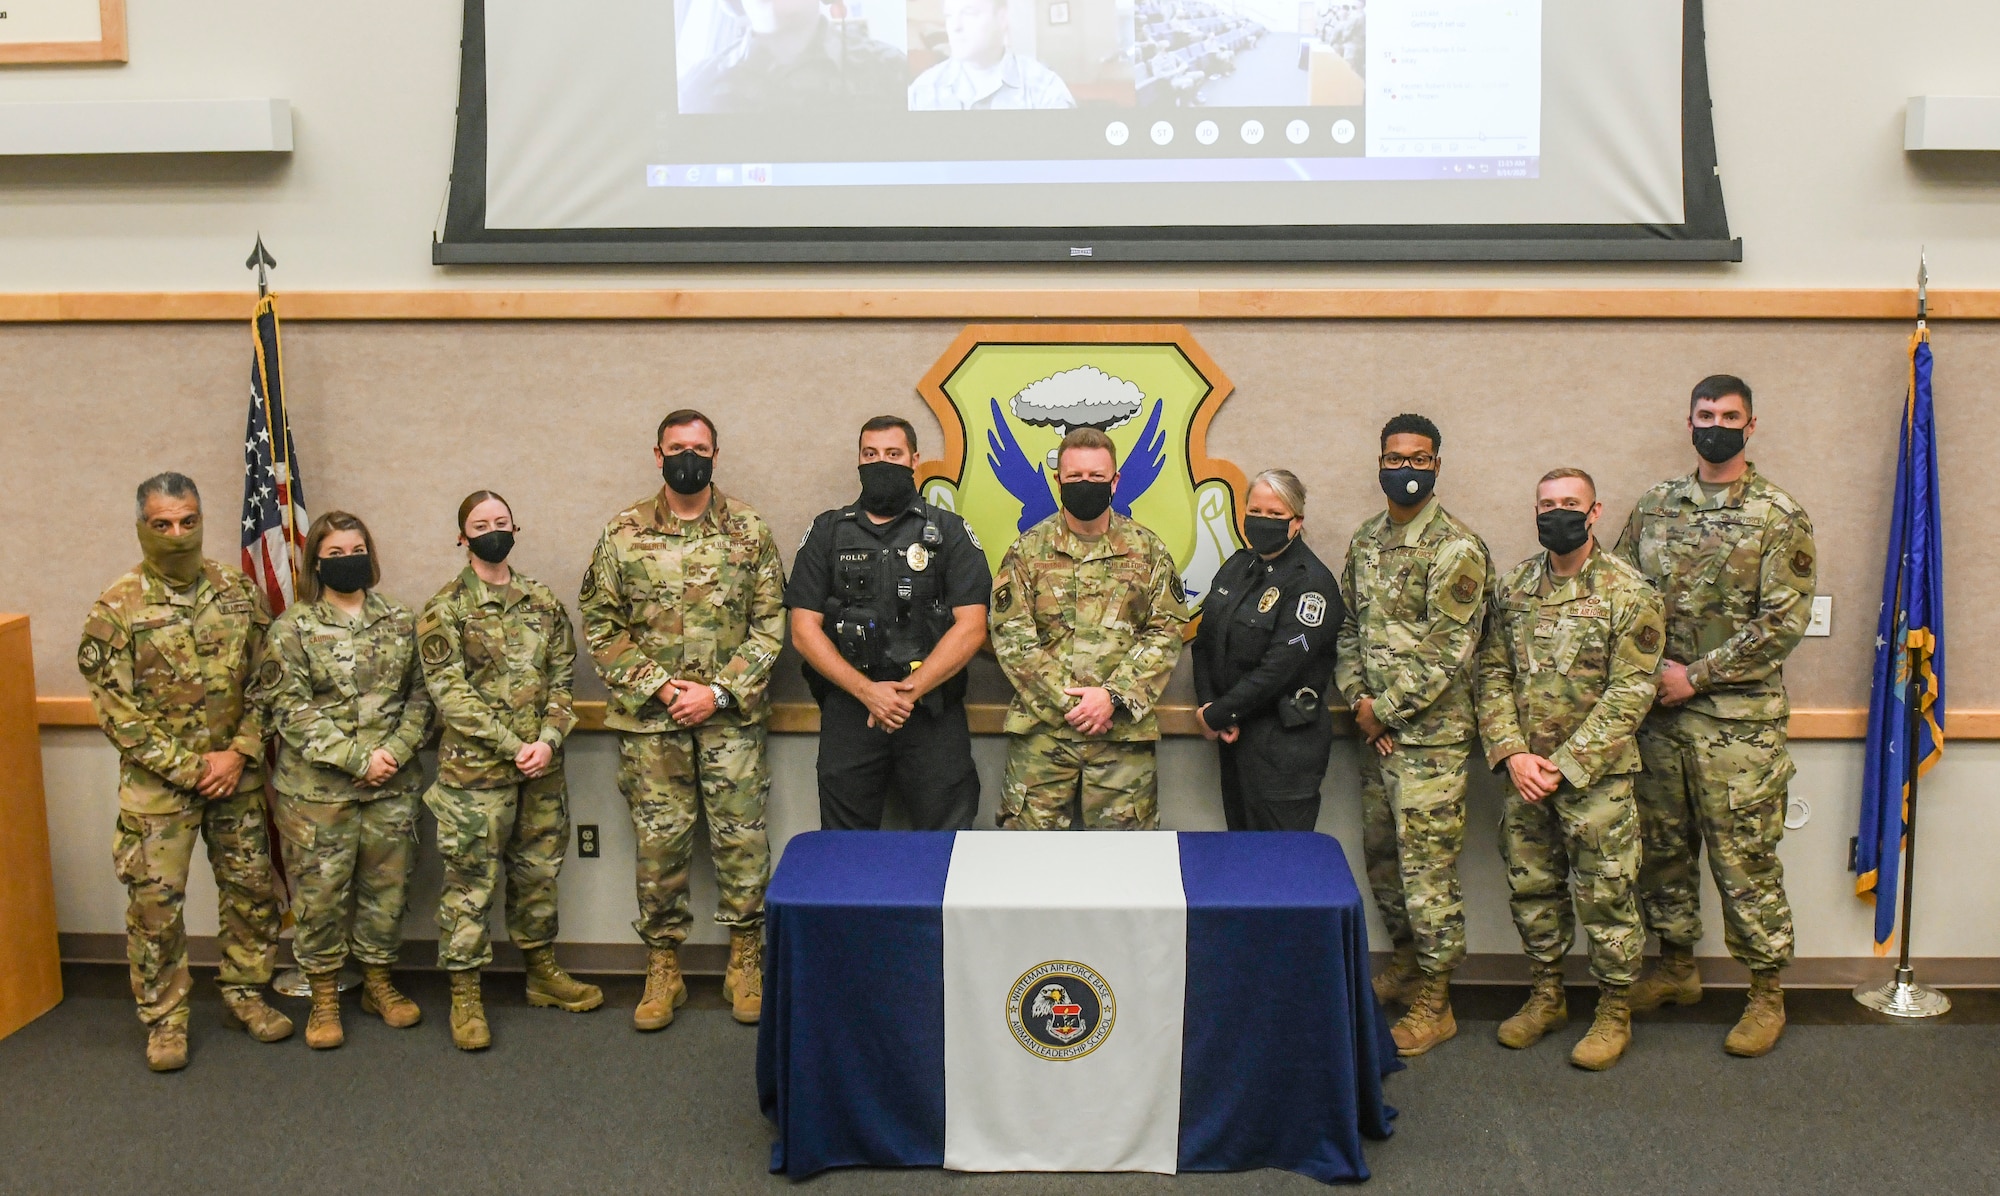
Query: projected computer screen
{"x": 892, "y": 123}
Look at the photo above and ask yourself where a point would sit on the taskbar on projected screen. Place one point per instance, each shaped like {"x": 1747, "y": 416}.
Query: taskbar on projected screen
{"x": 1072, "y": 170}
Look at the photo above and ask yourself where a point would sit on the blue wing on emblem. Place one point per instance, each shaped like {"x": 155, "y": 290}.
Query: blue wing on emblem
{"x": 1027, "y": 481}
{"x": 1142, "y": 465}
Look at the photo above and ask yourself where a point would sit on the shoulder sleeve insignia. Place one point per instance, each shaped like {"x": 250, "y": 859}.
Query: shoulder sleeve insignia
{"x": 1312, "y": 608}
{"x": 803, "y": 539}
{"x": 1802, "y": 563}
{"x": 90, "y": 656}
{"x": 1464, "y": 588}
{"x": 1648, "y": 639}
{"x": 268, "y": 674}
{"x": 1178, "y": 587}
{"x": 972, "y": 535}
{"x": 589, "y": 588}
{"x": 1003, "y": 598}
{"x": 436, "y": 649}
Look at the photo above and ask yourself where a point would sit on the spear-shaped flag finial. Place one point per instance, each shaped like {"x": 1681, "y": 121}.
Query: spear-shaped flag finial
{"x": 1923, "y": 283}
{"x": 260, "y": 258}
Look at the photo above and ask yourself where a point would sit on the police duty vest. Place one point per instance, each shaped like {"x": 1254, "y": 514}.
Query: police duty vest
{"x": 887, "y": 608}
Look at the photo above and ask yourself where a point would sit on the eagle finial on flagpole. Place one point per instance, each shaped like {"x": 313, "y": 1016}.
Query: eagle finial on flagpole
{"x": 260, "y": 258}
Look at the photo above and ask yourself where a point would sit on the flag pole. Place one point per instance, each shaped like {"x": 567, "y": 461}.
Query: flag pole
{"x": 1902, "y": 996}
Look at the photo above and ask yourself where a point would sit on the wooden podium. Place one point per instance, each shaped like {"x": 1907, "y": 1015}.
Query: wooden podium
{"x": 30, "y": 975}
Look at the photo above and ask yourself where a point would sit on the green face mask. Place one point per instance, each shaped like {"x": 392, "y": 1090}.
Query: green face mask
{"x": 176, "y": 558}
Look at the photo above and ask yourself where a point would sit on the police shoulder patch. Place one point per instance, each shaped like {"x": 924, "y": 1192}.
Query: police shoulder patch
{"x": 972, "y": 535}
{"x": 1312, "y": 608}
{"x": 436, "y": 648}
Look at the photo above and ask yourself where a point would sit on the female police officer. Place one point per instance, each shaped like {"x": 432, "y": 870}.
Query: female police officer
{"x": 347, "y": 700}
{"x": 1263, "y": 662}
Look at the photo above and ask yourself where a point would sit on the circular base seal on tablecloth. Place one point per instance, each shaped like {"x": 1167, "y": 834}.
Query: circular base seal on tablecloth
{"x": 1061, "y": 1010}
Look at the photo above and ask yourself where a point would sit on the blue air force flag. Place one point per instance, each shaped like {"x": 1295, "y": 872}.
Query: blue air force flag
{"x": 1906, "y": 700}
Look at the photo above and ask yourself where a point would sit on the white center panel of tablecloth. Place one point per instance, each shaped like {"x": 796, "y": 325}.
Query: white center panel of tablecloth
{"x": 1112, "y": 902}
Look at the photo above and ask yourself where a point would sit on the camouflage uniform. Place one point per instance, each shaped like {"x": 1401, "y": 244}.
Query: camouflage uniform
{"x": 334, "y": 689}
{"x": 1566, "y": 672}
{"x": 693, "y": 600}
{"x": 1068, "y": 612}
{"x": 1737, "y": 573}
{"x": 1416, "y": 599}
{"x": 498, "y": 662}
{"x": 167, "y": 670}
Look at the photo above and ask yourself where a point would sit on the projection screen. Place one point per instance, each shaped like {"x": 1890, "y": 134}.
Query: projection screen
{"x": 1084, "y": 130}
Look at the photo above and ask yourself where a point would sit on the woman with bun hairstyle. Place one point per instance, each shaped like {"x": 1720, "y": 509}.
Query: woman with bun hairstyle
{"x": 498, "y": 654}
{"x": 346, "y": 700}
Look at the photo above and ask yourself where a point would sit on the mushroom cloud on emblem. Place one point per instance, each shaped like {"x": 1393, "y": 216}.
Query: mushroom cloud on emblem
{"x": 1085, "y": 397}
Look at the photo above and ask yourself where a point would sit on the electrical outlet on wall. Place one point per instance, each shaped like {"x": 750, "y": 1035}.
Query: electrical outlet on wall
{"x": 1822, "y": 615}
{"x": 586, "y": 840}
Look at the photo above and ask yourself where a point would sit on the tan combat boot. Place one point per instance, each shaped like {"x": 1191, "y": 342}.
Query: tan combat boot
{"x": 243, "y": 1005}
{"x": 469, "y": 1031}
{"x": 665, "y": 990}
{"x": 1611, "y": 1031}
{"x": 1673, "y": 981}
{"x": 167, "y": 1042}
{"x": 1547, "y": 1010}
{"x": 1763, "y": 1018}
{"x": 743, "y": 981}
{"x": 323, "y": 1032}
{"x": 1397, "y": 983}
{"x": 379, "y": 997}
{"x": 1429, "y": 1021}
{"x": 551, "y": 987}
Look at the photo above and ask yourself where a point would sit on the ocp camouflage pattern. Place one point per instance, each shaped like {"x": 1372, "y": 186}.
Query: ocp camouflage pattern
{"x": 1416, "y": 599}
{"x": 499, "y": 663}
{"x": 1737, "y": 573}
{"x": 694, "y": 600}
{"x": 1071, "y": 612}
{"x": 1566, "y": 666}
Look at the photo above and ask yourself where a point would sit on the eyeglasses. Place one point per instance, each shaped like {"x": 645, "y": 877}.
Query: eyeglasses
{"x": 1399, "y": 461}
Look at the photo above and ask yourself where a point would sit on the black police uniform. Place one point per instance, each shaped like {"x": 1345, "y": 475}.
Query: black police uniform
{"x": 886, "y": 592}
{"x": 1263, "y": 661}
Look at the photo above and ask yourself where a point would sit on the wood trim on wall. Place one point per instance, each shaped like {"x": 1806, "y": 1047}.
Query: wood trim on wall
{"x": 802, "y": 718}
{"x": 1125, "y": 305}
{"x": 110, "y": 45}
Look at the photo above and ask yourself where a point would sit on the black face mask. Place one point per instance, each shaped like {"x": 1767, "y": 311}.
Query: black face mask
{"x": 1717, "y": 444}
{"x": 1267, "y": 536}
{"x": 346, "y": 574}
{"x": 886, "y": 487}
{"x": 1086, "y": 500}
{"x": 1561, "y": 530}
{"x": 1407, "y": 487}
{"x": 491, "y": 547}
{"x": 687, "y": 473}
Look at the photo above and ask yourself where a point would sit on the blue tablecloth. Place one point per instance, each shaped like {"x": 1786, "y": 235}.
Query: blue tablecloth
{"x": 1284, "y": 1049}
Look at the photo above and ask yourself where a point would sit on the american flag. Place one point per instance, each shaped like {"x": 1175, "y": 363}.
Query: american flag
{"x": 274, "y": 502}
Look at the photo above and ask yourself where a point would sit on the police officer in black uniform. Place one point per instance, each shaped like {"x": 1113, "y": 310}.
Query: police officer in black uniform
{"x": 888, "y": 599}
{"x": 1263, "y": 664}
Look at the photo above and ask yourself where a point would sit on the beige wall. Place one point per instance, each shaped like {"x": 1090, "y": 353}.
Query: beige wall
{"x": 1808, "y": 113}
{"x": 397, "y": 422}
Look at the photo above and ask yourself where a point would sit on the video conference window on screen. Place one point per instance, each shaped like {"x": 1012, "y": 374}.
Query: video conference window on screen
{"x": 1027, "y": 91}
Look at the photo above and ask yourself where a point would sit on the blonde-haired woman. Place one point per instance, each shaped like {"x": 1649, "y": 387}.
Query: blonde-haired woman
{"x": 346, "y": 698}
{"x": 499, "y": 655}
{"x": 1263, "y": 664}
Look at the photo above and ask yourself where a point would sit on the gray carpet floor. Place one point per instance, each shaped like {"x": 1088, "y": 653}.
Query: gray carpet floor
{"x": 581, "y": 1103}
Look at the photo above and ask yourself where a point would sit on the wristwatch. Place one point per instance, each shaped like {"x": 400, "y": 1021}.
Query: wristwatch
{"x": 722, "y": 698}
{"x": 1118, "y": 705}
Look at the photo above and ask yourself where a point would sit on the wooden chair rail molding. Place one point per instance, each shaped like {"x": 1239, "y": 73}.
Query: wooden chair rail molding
{"x": 1139, "y": 303}
{"x": 802, "y": 718}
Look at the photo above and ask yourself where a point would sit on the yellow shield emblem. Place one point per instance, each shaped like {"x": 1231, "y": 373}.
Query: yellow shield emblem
{"x": 1007, "y": 394}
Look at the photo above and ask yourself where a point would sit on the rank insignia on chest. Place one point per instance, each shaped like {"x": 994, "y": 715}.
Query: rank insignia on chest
{"x": 918, "y": 556}
{"x": 1312, "y": 608}
{"x": 1269, "y": 600}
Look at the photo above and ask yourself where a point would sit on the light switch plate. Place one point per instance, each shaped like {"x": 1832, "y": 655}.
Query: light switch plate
{"x": 1822, "y": 615}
